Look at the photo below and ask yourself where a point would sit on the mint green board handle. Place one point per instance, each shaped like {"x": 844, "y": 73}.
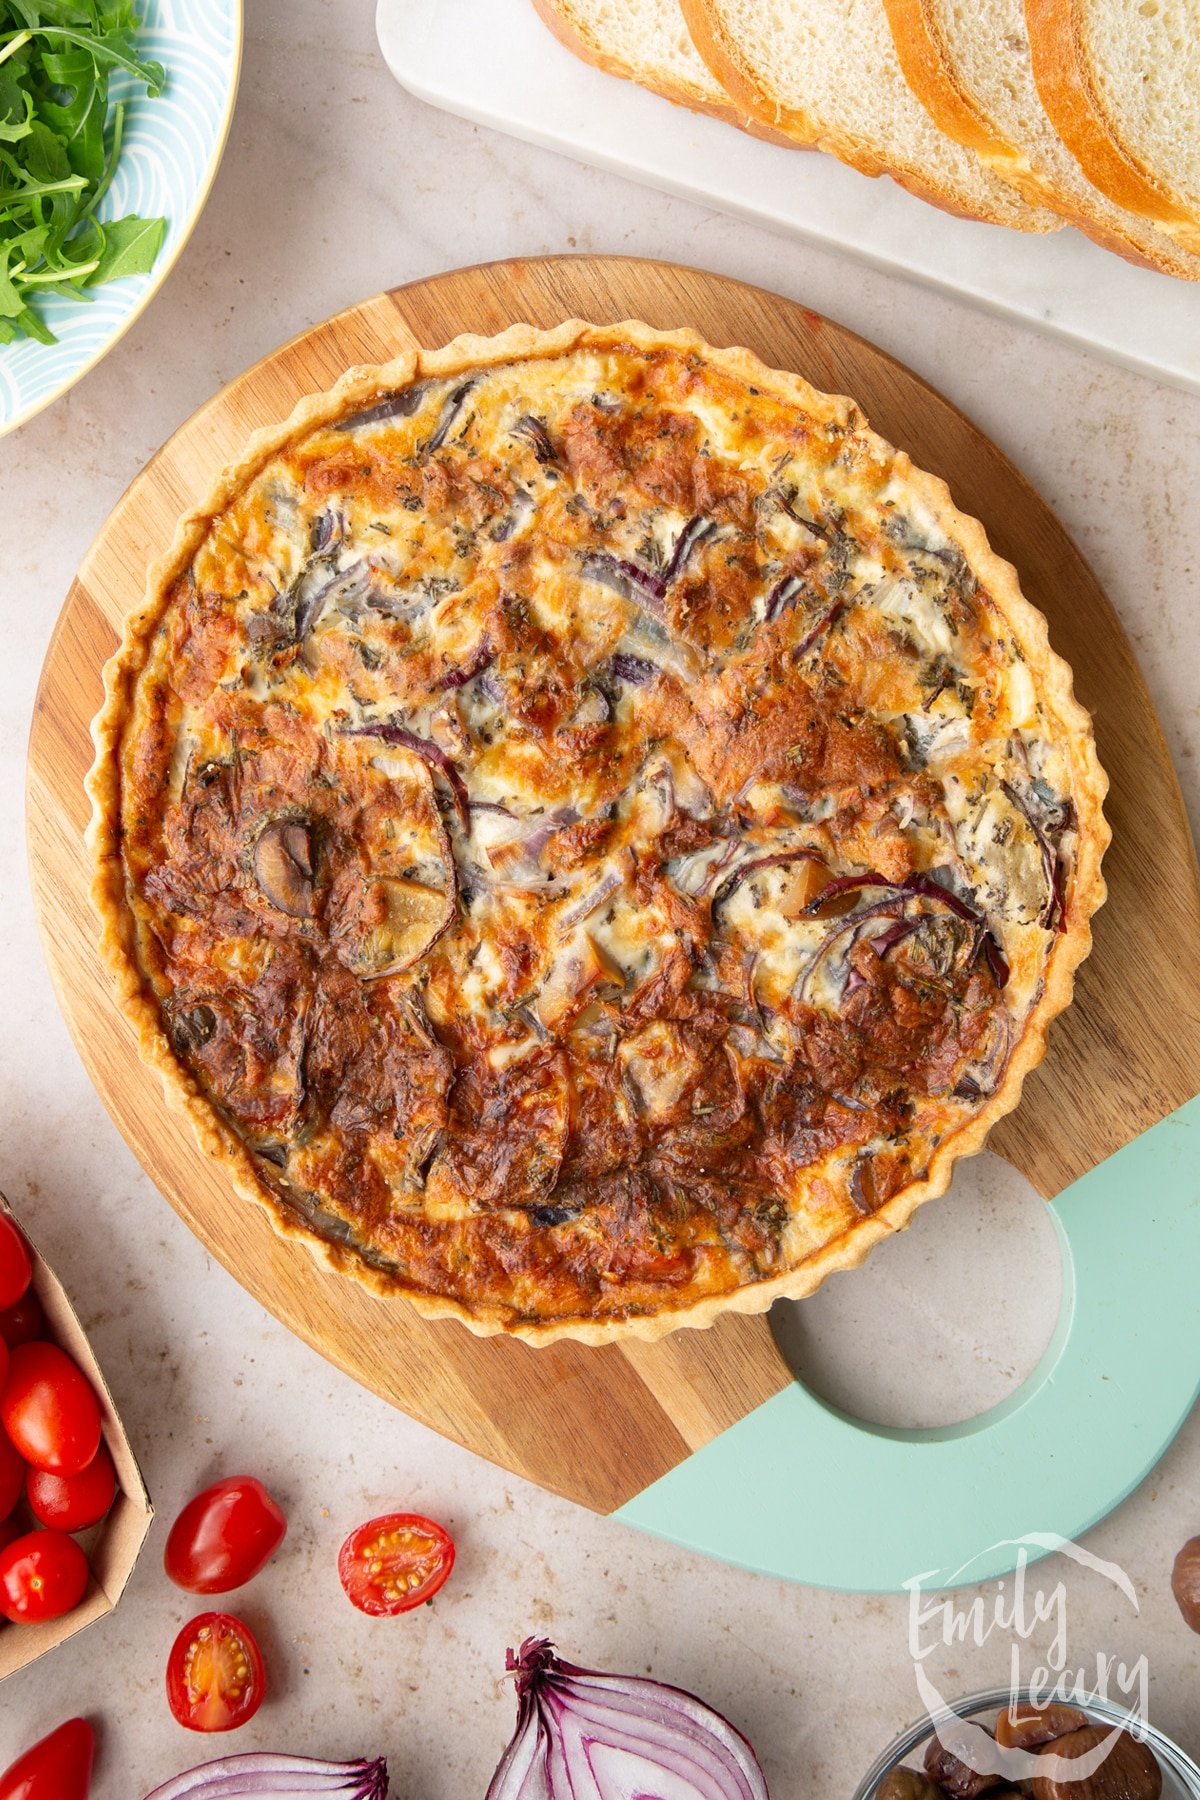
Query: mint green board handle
{"x": 800, "y": 1490}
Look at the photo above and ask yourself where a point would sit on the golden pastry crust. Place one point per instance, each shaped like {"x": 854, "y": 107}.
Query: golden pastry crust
{"x": 587, "y": 832}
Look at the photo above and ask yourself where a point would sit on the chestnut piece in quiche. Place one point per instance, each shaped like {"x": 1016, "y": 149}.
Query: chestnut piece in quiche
{"x": 589, "y": 832}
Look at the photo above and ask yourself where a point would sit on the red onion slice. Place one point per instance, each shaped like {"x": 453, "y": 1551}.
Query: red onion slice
{"x": 401, "y": 405}
{"x": 696, "y": 532}
{"x": 997, "y": 962}
{"x": 589, "y": 903}
{"x": 981, "y": 1080}
{"x": 481, "y": 658}
{"x": 388, "y": 732}
{"x": 777, "y": 860}
{"x": 451, "y": 407}
{"x": 533, "y": 432}
{"x": 633, "y": 581}
{"x": 629, "y": 579}
{"x": 895, "y": 934}
{"x": 635, "y": 671}
{"x": 582, "y": 1735}
{"x": 852, "y": 926}
{"x": 847, "y": 884}
{"x": 328, "y": 526}
{"x": 932, "y": 889}
{"x": 287, "y": 1777}
{"x": 1053, "y": 913}
{"x": 915, "y": 887}
{"x": 823, "y": 625}
{"x": 781, "y": 596}
{"x": 515, "y": 858}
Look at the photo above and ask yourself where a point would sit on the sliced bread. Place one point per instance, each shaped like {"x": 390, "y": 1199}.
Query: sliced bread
{"x": 969, "y": 63}
{"x": 645, "y": 41}
{"x": 1121, "y": 83}
{"x": 826, "y": 73}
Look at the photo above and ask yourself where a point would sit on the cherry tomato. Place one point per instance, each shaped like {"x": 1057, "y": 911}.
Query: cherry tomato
{"x": 12, "y": 1477}
{"x": 21, "y": 1323}
{"x": 392, "y": 1564}
{"x": 49, "y": 1410}
{"x": 215, "y": 1676}
{"x": 42, "y": 1576}
{"x": 4, "y": 1361}
{"x": 224, "y": 1536}
{"x": 16, "y": 1270}
{"x": 58, "y": 1767}
{"x": 10, "y": 1531}
{"x": 73, "y": 1502}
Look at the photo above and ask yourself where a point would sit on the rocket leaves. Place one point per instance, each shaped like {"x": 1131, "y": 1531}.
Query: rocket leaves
{"x": 60, "y": 140}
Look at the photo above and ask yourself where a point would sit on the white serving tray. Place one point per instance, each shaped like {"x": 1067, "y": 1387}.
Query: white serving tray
{"x": 494, "y": 62}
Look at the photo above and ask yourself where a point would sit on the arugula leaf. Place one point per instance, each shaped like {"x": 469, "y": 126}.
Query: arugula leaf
{"x": 13, "y": 126}
{"x": 79, "y": 123}
{"x": 130, "y": 248}
{"x": 59, "y": 145}
{"x": 112, "y": 48}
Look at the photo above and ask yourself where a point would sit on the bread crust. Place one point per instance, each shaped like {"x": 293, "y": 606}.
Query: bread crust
{"x": 931, "y": 72}
{"x": 1063, "y": 72}
{"x": 721, "y": 51}
{"x": 933, "y": 78}
{"x": 359, "y": 388}
{"x": 557, "y": 16}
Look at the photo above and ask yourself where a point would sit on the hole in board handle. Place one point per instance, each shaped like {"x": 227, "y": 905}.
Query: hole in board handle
{"x": 944, "y": 1322}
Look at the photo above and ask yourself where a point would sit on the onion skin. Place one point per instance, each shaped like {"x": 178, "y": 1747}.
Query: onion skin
{"x": 584, "y": 1735}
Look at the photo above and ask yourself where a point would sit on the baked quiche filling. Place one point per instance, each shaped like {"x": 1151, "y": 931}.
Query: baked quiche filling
{"x": 592, "y": 830}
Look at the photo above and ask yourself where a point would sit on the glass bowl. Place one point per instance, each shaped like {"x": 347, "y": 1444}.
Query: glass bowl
{"x": 1181, "y": 1777}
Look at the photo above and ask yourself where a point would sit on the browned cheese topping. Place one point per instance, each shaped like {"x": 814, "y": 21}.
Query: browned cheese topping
{"x": 591, "y": 834}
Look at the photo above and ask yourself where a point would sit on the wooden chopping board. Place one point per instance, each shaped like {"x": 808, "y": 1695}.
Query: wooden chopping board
{"x": 600, "y": 1425}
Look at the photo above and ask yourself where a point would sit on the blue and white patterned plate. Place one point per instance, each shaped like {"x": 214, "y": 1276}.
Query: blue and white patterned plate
{"x": 169, "y": 159}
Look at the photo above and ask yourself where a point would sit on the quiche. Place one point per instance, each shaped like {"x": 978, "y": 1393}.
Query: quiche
{"x": 588, "y": 832}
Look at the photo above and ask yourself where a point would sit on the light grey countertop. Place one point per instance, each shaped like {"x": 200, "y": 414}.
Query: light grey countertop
{"x": 337, "y": 184}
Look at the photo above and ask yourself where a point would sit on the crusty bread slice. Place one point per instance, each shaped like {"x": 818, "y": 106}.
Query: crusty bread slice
{"x": 1121, "y": 83}
{"x": 646, "y": 41}
{"x": 826, "y": 72}
{"x": 969, "y": 63}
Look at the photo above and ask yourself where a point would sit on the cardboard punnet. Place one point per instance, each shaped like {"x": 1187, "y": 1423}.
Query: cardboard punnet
{"x": 113, "y": 1545}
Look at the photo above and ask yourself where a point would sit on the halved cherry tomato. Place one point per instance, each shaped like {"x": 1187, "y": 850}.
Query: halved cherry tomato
{"x": 12, "y": 1477}
{"x": 215, "y": 1676}
{"x": 16, "y": 1270}
{"x": 49, "y": 1410}
{"x": 57, "y": 1767}
{"x": 224, "y": 1536}
{"x": 391, "y": 1564}
{"x": 73, "y": 1502}
{"x": 21, "y": 1323}
{"x": 42, "y": 1576}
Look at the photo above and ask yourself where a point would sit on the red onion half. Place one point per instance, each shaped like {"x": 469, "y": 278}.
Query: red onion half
{"x": 582, "y": 1735}
{"x": 286, "y": 1777}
